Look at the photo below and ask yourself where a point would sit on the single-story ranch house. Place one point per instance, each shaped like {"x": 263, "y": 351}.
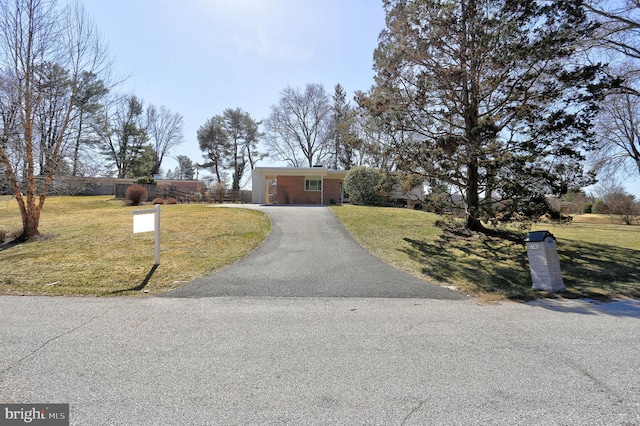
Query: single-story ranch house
{"x": 297, "y": 185}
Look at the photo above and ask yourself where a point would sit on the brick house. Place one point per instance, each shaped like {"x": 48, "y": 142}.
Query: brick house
{"x": 297, "y": 185}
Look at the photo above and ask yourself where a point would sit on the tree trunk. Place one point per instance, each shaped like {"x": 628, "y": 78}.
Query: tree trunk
{"x": 30, "y": 223}
{"x": 473, "y": 222}
{"x": 76, "y": 148}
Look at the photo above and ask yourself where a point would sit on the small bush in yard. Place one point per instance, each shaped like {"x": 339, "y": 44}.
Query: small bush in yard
{"x": 172, "y": 200}
{"x": 136, "y": 195}
{"x": 158, "y": 201}
{"x": 220, "y": 191}
{"x": 365, "y": 186}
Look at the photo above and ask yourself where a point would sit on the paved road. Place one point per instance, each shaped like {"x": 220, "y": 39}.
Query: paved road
{"x": 309, "y": 254}
{"x": 322, "y": 361}
{"x": 254, "y": 360}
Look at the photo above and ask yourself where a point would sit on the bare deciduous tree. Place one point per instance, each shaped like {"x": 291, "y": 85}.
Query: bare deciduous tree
{"x": 615, "y": 201}
{"x": 34, "y": 33}
{"x": 618, "y": 127}
{"x": 299, "y": 127}
{"x": 165, "y": 131}
{"x": 619, "y": 28}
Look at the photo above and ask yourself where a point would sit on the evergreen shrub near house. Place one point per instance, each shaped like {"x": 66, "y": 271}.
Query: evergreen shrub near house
{"x": 158, "y": 201}
{"x": 366, "y": 186}
{"x": 145, "y": 180}
{"x": 172, "y": 200}
{"x": 136, "y": 195}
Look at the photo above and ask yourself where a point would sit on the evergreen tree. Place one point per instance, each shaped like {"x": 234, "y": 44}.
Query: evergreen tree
{"x": 345, "y": 138}
{"x": 123, "y": 134}
{"x": 243, "y": 135}
{"x": 214, "y": 142}
{"x": 230, "y": 142}
{"x": 91, "y": 91}
{"x": 489, "y": 97}
{"x": 185, "y": 169}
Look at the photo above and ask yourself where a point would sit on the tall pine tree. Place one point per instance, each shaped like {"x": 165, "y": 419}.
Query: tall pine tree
{"x": 490, "y": 97}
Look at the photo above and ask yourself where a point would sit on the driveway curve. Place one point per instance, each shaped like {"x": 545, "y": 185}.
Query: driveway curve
{"x": 310, "y": 254}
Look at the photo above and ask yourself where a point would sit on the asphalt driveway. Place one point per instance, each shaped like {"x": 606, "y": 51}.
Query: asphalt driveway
{"x": 310, "y": 254}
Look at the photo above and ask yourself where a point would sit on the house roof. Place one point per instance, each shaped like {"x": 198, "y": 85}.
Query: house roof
{"x": 300, "y": 171}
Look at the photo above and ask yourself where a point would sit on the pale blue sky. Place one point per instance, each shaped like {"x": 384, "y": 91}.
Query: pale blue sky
{"x": 198, "y": 57}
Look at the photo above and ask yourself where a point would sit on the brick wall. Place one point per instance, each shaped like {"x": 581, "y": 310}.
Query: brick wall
{"x": 290, "y": 190}
{"x": 331, "y": 191}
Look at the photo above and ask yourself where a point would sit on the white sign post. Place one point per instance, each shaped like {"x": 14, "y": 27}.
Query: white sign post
{"x": 148, "y": 221}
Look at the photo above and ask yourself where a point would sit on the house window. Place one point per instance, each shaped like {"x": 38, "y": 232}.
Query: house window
{"x": 313, "y": 184}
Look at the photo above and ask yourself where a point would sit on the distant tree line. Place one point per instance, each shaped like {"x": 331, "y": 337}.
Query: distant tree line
{"x": 607, "y": 198}
{"x": 503, "y": 102}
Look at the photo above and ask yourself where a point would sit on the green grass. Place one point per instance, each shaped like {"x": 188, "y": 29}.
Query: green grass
{"x": 88, "y": 247}
{"x": 597, "y": 260}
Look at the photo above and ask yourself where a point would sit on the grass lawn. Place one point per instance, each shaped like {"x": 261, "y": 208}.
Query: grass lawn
{"x": 89, "y": 247}
{"x": 597, "y": 260}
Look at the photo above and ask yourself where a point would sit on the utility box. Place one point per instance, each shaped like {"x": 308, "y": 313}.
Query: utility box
{"x": 544, "y": 262}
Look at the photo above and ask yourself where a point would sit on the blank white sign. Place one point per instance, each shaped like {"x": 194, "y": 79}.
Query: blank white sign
{"x": 143, "y": 222}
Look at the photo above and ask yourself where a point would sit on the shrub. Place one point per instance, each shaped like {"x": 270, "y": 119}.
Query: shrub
{"x": 136, "y": 195}
{"x": 219, "y": 191}
{"x": 624, "y": 205}
{"x": 599, "y": 207}
{"x": 148, "y": 180}
{"x": 172, "y": 200}
{"x": 158, "y": 201}
{"x": 364, "y": 186}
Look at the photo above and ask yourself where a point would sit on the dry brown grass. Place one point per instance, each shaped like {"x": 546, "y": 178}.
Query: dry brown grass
{"x": 597, "y": 219}
{"x": 597, "y": 260}
{"x": 88, "y": 247}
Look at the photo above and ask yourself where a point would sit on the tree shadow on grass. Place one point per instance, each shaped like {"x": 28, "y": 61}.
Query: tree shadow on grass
{"x": 473, "y": 265}
{"x": 8, "y": 245}
{"x": 140, "y": 286}
{"x": 482, "y": 264}
{"x": 599, "y": 271}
